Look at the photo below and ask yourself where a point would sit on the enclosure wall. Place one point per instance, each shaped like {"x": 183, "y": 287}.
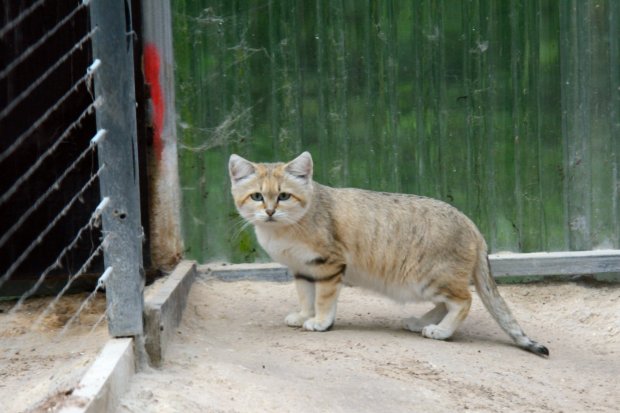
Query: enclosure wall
{"x": 509, "y": 110}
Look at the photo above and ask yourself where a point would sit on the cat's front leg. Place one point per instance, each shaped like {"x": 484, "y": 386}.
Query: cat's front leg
{"x": 306, "y": 293}
{"x": 326, "y": 297}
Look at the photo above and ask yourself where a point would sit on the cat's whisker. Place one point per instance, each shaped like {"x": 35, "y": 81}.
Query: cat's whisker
{"x": 239, "y": 224}
{"x": 242, "y": 225}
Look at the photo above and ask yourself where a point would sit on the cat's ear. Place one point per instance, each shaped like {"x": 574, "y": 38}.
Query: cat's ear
{"x": 301, "y": 167}
{"x": 239, "y": 168}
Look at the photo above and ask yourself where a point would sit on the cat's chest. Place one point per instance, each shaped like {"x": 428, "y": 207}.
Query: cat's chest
{"x": 288, "y": 251}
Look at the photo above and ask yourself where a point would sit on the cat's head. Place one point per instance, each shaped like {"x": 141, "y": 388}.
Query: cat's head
{"x": 271, "y": 193}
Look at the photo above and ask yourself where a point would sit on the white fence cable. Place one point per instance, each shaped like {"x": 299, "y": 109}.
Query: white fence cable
{"x": 86, "y": 302}
{"x": 93, "y": 222}
{"x": 98, "y": 251}
{"x": 54, "y": 187}
{"x": 37, "y": 44}
{"x": 89, "y": 110}
{"x": 7, "y": 275}
{"x": 87, "y": 78}
{"x": 9, "y": 108}
{"x": 16, "y": 21}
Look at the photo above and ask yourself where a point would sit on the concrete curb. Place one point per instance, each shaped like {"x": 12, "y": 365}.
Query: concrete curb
{"x": 109, "y": 377}
{"x": 105, "y": 381}
{"x": 163, "y": 310}
{"x": 253, "y": 272}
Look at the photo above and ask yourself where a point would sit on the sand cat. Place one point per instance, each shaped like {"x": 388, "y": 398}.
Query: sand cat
{"x": 408, "y": 247}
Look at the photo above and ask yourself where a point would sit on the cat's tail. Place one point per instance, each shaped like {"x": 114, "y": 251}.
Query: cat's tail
{"x": 495, "y": 304}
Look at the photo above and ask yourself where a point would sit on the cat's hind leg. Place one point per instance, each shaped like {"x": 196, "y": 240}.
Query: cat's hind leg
{"x": 457, "y": 311}
{"x": 434, "y": 316}
{"x": 306, "y": 293}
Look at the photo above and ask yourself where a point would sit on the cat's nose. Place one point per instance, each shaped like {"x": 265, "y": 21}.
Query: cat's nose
{"x": 270, "y": 212}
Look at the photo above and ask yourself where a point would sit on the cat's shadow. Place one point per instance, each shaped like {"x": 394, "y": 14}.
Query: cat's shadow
{"x": 467, "y": 334}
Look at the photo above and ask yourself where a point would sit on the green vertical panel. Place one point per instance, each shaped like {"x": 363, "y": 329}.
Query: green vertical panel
{"x": 236, "y": 125}
{"x": 478, "y": 86}
{"x": 550, "y": 128}
{"x": 418, "y": 133}
{"x": 432, "y": 93}
{"x": 378, "y": 162}
{"x": 427, "y": 96}
{"x": 403, "y": 21}
{"x": 454, "y": 103}
{"x": 297, "y": 80}
{"x": 190, "y": 167}
{"x": 468, "y": 102}
{"x": 444, "y": 146}
{"x": 273, "y": 25}
{"x": 377, "y": 83}
{"x": 392, "y": 117}
{"x": 320, "y": 37}
{"x": 360, "y": 143}
{"x": 614, "y": 112}
{"x": 601, "y": 90}
{"x": 374, "y": 161}
{"x": 332, "y": 93}
{"x": 533, "y": 234}
{"x": 285, "y": 110}
{"x": 483, "y": 77}
{"x": 503, "y": 48}
{"x": 223, "y": 44}
{"x": 307, "y": 73}
{"x": 525, "y": 90}
{"x": 340, "y": 114}
{"x": 518, "y": 133}
{"x": 576, "y": 66}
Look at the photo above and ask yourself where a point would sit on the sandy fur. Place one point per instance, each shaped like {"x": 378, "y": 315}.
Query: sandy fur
{"x": 407, "y": 247}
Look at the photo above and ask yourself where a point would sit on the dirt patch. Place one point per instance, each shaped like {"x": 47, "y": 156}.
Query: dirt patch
{"x": 234, "y": 354}
{"x": 38, "y": 364}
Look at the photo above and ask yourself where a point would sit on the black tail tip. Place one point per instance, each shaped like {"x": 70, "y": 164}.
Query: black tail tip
{"x": 539, "y": 349}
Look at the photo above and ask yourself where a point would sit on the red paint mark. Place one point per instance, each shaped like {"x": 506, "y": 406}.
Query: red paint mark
{"x": 151, "y": 73}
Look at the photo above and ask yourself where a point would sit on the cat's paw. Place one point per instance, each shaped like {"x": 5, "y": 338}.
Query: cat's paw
{"x": 313, "y": 324}
{"x": 436, "y": 332}
{"x": 295, "y": 319}
{"x": 413, "y": 324}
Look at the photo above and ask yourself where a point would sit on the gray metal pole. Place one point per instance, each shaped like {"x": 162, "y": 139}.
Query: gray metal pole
{"x": 118, "y": 152}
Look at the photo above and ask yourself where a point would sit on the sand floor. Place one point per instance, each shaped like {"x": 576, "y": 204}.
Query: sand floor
{"x": 233, "y": 353}
{"x": 38, "y": 364}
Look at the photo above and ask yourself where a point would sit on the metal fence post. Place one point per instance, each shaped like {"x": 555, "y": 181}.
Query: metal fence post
{"x": 123, "y": 235}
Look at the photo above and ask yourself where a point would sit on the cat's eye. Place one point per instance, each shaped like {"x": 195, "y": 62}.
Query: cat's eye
{"x": 257, "y": 196}
{"x": 284, "y": 196}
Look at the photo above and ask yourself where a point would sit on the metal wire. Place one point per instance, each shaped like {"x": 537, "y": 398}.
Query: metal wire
{"x": 13, "y": 23}
{"x": 89, "y": 109}
{"x": 54, "y": 187}
{"x": 100, "y": 284}
{"x": 74, "y": 277}
{"x": 87, "y": 78}
{"x": 37, "y": 44}
{"x": 7, "y": 275}
{"x": 40, "y": 80}
{"x": 92, "y": 222}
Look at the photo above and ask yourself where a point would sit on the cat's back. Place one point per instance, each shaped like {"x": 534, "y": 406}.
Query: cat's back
{"x": 382, "y": 231}
{"x": 386, "y": 208}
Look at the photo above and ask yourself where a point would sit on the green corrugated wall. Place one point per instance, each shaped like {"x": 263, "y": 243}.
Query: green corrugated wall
{"x": 509, "y": 110}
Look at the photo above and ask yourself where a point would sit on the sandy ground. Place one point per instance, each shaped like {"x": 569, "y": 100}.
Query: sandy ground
{"x": 37, "y": 363}
{"x": 233, "y": 353}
